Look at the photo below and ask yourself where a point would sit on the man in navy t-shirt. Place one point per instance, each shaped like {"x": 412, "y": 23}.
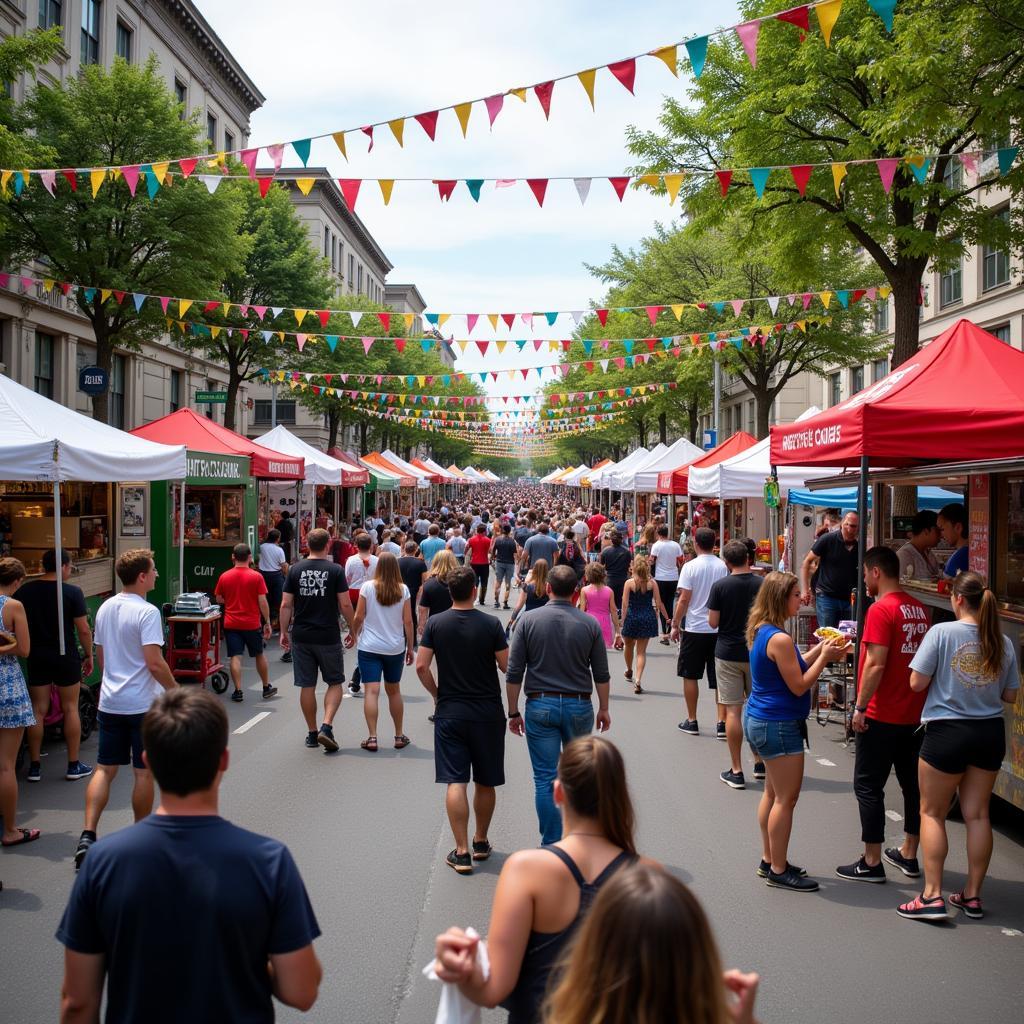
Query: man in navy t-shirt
{"x": 185, "y": 916}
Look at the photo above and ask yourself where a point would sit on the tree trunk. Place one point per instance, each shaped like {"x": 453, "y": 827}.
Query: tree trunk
{"x": 333, "y": 422}
{"x": 663, "y": 427}
{"x": 104, "y": 360}
{"x": 906, "y": 294}
{"x": 362, "y": 437}
{"x": 234, "y": 381}
{"x": 692, "y": 414}
{"x": 764, "y": 411}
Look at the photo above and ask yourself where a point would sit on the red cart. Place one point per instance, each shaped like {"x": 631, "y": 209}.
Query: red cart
{"x": 193, "y": 650}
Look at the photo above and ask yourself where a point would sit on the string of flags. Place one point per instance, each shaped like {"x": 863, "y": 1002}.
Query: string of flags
{"x": 794, "y": 177}
{"x": 623, "y": 71}
{"x": 590, "y": 421}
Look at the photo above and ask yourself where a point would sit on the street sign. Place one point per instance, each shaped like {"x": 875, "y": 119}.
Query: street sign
{"x": 211, "y": 398}
{"x": 710, "y": 439}
{"x": 92, "y": 380}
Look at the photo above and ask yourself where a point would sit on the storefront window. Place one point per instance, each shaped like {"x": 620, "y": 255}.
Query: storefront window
{"x": 1010, "y": 553}
{"x": 115, "y": 410}
{"x": 213, "y": 515}
{"x": 44, "y": 365}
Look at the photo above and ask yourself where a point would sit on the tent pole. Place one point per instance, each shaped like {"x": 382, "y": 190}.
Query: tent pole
{"x": 59, "y": 565}
{"x": 181, "y": 540}
{"x": 862, "y": 540}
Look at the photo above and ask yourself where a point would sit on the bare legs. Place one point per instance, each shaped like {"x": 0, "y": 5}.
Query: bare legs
{"x": 627, "y": 651}
{"x": 456, "y": 803}
{"x": 785, "y": 776}
{"x": 307, "y": 704}
{"x": 641, "y": 658}
{"x": 734, "y": 734}
{"x": 98, "y": 793}
{"x": 371, "y": 706}
{"x": 690, "y": 691}
{"x": 10, "y": 740}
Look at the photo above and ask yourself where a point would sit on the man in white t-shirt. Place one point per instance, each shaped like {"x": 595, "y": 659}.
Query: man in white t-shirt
{"x": 697, "y": 650}
{"x": 129, "y": 638}
{"x": 667, "y": 556}
{"x": 581, "y": 532}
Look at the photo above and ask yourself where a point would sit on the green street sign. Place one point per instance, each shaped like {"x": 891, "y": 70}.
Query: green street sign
{"x": 211, "y": 397}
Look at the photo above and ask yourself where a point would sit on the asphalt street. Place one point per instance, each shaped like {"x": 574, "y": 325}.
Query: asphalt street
{"x": 369, "y": 834}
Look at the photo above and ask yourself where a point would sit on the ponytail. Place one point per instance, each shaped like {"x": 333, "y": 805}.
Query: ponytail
{"x": 593, "y": 776}
{"x": 982, "y": 602}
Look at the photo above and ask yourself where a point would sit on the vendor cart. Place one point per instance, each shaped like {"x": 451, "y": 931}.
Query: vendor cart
{"x": 193, "y": 650}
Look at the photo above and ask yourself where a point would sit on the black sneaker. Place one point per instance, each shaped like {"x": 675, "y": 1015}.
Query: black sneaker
{"x": 85, "y": 841}
{"x": 286, "y": 657}
{"x": 238, "y": 696}
{"x": 690, "y": 727}
{"x": 720, "y": 731}
{"x": 311, "y": 740}
{"x": 325, "y": 737}
{"x": 35, "y": 772}
{"x": 505, "y": 607}
{"x": 789, "y": 879}
{"x": 461, "y": 862}
{"x": 496, "y": 605}
{"x": 734, "y": 780}
{"x": 908, "y": 865}
{"x": 861, "y": 871}
{"x": 759, "y": 772}
{"x": 764, "y": 869}
{"x": 269, "y": 691}
{"x": 920, "y": 909}
{"x": 482, "y": 849}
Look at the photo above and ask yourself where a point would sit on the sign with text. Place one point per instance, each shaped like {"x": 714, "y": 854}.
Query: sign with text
{"x": 978, "y": 524}
{"x": 709, "y": 440}
{"x": 211, "y": 398}
{"x": 93, "y": 380}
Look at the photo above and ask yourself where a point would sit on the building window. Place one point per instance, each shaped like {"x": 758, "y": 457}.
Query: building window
{"x": 123, "y": 42}
{"x": 951, "y": 284}
{"x": 115, "y": 408}
{"x": 359, "y": 279}
{"x": 835, "y": 389}
{"x": 856, "y": 379}
{"x": 91, "y": 31}
{"x": 181, "y": 96}
{"x": 751, "y": 417}
{"x": 44, "y": 364}
{"x": 211, "y": 131}
{"x": 879, "y": 369}
{"x": 334, "y": 253}
{"x": 51, "y": 13}
{"x": 995, "y": 262}
{"x": 953, "y": 175}
{"x": 175, "y": 403}
{"x": 351, "y": 272}
{"x": 882, "y": 317}
{"x": 229, "y": 141}
{"x": 1002, "y": 332}
{"x": 261, "y": 412}
{"x": 327, "y": 242}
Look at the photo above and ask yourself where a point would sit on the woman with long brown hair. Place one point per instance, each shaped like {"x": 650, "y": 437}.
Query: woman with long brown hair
{"x": 641, "y": 605}
{"x": 969, "y": 670}
{"x": 381, "y": 633}
{"x": 646, "y": 954}
{"x": 775, "y": 720}
{"x": 543, "y": 894}
{"x": 534, "y": 593}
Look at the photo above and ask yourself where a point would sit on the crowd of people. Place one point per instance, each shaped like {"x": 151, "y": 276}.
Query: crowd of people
{"x": 409, "y": 590}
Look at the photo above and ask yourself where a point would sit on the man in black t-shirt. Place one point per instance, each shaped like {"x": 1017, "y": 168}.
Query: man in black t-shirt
{"x": 504, "y": 553}
{"x": 230, "y": 903}
{"x": 413, "y": 569}
{"x": 834, "y": 555}
{"x": 315, "y": 594}
{"x": 469, "y": 718}
{"x": 729, "y": 604}
{"x": 286, "y": 527}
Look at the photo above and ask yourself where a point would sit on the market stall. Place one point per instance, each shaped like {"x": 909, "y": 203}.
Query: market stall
{"x": 354, "y": 479}
{"x": 426, "y": 480}
{"x": 603, "y": 481}
{"x": 642, "y": 480}
{"x": 951, "y": 416}
{"x": 585, "y": 478}
{"x": 446, "y": 480}
{"x": 221, "y": 504}
{"x": 384, "y": 484}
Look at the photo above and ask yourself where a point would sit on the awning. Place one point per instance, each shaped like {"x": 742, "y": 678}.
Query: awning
{"x": 321, "y": 469}
{"x": 676, "y": 481}
{"x": 644, "y": 477}
{"x": 933, "y": 498}
{"x": 352, "y": 475}
{"x": 423, "y": 477}
{"x": 605, "y": 479}
{"x": 375, "y": 461}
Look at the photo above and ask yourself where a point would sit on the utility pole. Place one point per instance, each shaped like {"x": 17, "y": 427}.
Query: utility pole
{"x": 273, "y": 404}
{"x": 718, "y": 399}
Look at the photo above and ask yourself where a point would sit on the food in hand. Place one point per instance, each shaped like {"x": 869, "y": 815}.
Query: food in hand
{"x": 829, "y": 634}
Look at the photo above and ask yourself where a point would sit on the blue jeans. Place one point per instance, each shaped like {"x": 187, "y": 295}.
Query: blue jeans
{"x": 830, "y": 610}
{"x": 551, "y": 722}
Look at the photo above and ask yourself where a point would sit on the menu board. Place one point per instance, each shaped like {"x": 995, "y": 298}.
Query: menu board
{"x": 978, "y": 524}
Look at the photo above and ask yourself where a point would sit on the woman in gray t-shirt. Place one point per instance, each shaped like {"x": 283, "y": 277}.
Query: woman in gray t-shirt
{"x": 969, "y": 670}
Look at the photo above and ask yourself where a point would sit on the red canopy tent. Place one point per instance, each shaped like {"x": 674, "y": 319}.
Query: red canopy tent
{"x": 197, "y": 433}
{"x": 352, "y": 475}
{"x": 378, "y": 460}
{"x": 434, "y": 477}
{"x": 676, "y": 481}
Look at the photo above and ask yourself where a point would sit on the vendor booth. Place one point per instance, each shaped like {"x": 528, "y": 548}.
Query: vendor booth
{"x": 586, "y": 476}
{"x": 221, "y": 504}
{"x": 642, "y": 481}
{"x": 601, "y": 482}
{"x": 951, "y": 416}
{"x": 445, "y": 480}
{"x": 354, "y": 479}
{"x": 426, "y": 480}
{"x": 385, "y": 482}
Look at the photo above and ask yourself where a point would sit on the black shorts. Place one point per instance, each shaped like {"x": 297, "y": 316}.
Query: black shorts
{"x": 41, "y": 670}
{"x": 120, "y": 739}
{"x": 952, "y": 745}
{"x": 697, "y": 656}
{"x": 240, "y": 641}
{"x": 309, "y": 659}
{"x": 460, "y": 745}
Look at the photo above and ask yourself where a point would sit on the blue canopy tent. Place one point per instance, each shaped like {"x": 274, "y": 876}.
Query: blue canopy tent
{"x": 932, "y": 498}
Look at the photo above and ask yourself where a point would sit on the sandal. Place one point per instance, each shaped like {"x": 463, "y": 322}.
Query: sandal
{"x": 969, "y": 906}
{"x": 402, "y": 741}
{"x": 28, "y": 835}
{"x": 370, "y": 744}
{"x": 637, "y": 688}
{"x": 628, "y": 674}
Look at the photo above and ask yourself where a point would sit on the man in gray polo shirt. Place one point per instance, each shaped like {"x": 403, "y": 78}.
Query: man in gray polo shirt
{"x": 560, "y": 650}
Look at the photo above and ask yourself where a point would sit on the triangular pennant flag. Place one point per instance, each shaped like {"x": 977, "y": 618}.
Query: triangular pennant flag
{"x": 920, "y": 166}
{"x": 367, "y": 342}
{"x": 69, "y": 176}
{"x": 265, "y": 184}
{"x": 669, "y": 56}
{"x": 355, "y": 316}
{"x": 400, "y": 344}
{"x": 350, "y": 191}
{"x": 300, "y": 340}
{"x": 248, "y": 157}
{"x": 160, "y": 170}
{"x": 386, "y": 185}
{"x": 759, "y": 178}
{"x": 737, "y": 306}
{"x": 509, "y": 319}
{"x": 652, "y": 313}
{"x": 397, "y": 127}
{"x": 724, "y": 178}
{"x": 801, "y": 175}
{"x": 471, "y": 319}
{"x": 828, "y": 15}
{"x": 187, "y": 166}
{"x": 773, "y": 303}
{"x": 587, "y": 81}
{"x": 305, "y": 185}
{"x": 96, "y": 178}
{"x": 887, "y": 171}
{"x": 428, "y": 122}
{"x": 474, "y": 185}
{"x": 131, "y": 177}
{"x": 323, "y": 315}
{"x": 138, "y": 300}
{"x": 551, "y": 318}
{"x": 276, "y": 153}
{"x": 697, "y": 51}
{"x": 183, "y": 306}
{"x": 164, "y": 302}
{"x": 211, "y": 181}
{"x": 970, "y": 162}
{"x": 539, "y": 187}
{"x": 625, "y": 72}
{"x": 152, "y": 182}
{"x": 408, "y": 319}
{"x": 619, "y": 184}
{"x": 1006, "y": 157}
{"x": 838, "y": 173}
{"x": 105, "y": 293}
{"x": 748, "y": 33}
{"x": 339, "y": 141}
{"x": 844, "y": 299}
{"x": 602, "y": 316}
{"x": 493, "y": 317}
{"x": 672, "y": 185}
{"x": 494, "y": 105}
{"x": 826, "y": 298}
{"x": 798, "y": 16}
{"x": 885, "y": 10}
{"x": 446, "y": 188}
{"x": 385, "y": 321}
{"x": 368, "y": 132}
{"x": 582, "y": 188}
{"x": 462, "y": 112}
{"x": 544, "y": 91}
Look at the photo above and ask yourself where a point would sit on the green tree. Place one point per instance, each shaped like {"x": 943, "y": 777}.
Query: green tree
{"x": 21, "y": 55}
{"x": 947, "y": 80}
{"x": 183, "y": 241}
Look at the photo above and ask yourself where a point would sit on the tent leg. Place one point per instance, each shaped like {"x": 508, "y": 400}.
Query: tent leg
{"x": 862, "y": 540}
{"x": 181, "y": 541}
{"x": 60, "y": 574}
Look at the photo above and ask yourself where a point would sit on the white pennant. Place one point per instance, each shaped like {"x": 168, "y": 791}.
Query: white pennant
{"x": 277, "y": 311}
{"x": 773, "y": 303}
{"x": 577, "y": 315}
{"x": 604, "y": 365}
{"x": 583, "y": 188}
{"x": 356, "y": 317}
{"x": 211, "y": 181}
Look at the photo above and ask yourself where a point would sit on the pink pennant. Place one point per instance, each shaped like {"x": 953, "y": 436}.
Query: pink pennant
{"x": 368, "y": 132}
{"x": 187, "y": 166}
{"x": 445, "y": 189}
{"x": 970, "y": 162}
{"x": 537, "y": 342}
{"x": 737, "y": 306}
{"x": 131, "y": 177}
{"x": 276, "y": 153}
{"x": 494, "y": 105}
{"x": 367, "y": 342}
{"x": 49, "y": 178}
{"x": 871, "y": 294}
{"x": 471, "y": 319}
{"x": 653, "y": 313}
{"x": 260, "y": 311}
{"x": 806, "y": 298}
{"x": 428, "y": 122}
{"x": 300, "y": 340}
{"x": 385, "y": 321}
{"x": 539, "y": 187}
{"x": 248, "y": 157}
{"x": 544, "y": 91}
{"x": 625, "y": 72}
{"x": 748, "y": 33}
{"x": 350, "y": 191}
{"x": 527, "y": 319}
{"x": 619, "y": 184}
{"x": 164, "y": 300}
{"x": 887, "y": 171}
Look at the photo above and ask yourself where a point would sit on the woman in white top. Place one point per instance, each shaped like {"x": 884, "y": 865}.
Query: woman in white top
{"x": 383, "y": 637}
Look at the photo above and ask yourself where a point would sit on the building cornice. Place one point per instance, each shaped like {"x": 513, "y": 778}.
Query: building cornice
{"x": 422, "y": 302}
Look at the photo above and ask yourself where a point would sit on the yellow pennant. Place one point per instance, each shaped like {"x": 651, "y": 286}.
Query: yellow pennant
{"x": 96, "y": 179}
{"x": 884, "y": 292}
{"x": 553, "y": 346}
{"x": 5, "y": 177}
{"x": 828, "y": 15}
{"x": 408, "y": 318}
{"x": 838, "y": 173}
{"x": 160, "y": 170}
{"x": 305, "y": 185}
{"x": 518, "y": 93}
{"x": 826, "y": 298}
{"x": 115, "y": 173}
{"x": 401, "y": 399}
{"x": 501, "y": 346}
{"x": 668, "y": 55}
{"x": 48, "y": 283}
{"x": 493, "y": 317}
{"x": 398, "y": 129}
{"x": 300, "y": 315}
{"x": 214, "y": 331}
{"x": 105, "y": 294}
{"x": 280, "y": 335}
{"x": 672, "y": 184}
{"x": 183, "y": 306}
{"x": 421, "y": 381}
{"x": 802, "y": 324}
{"x": 442, "y": 319}
{"x": 339, "y": 141}
{"x": 226, "y": 306}
{"x": 587, "y": 81}
{"x": 462, "y": 111}
{"x": 181, "y": 326}
{"x": 652, "y": 180}
{"x": 677, "y": 310}
{"x": 216, "y": 160}
{"x": 462, "y": 346}
{"x": 386, "y": 185}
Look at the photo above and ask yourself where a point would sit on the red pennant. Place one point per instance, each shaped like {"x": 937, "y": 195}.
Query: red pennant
{"x": 857, "y": 295}
{"x": 538, "y": 186}
{"x": 400, "y": 344}
{"x": 566, "y": 344}
{"x": 509, "y": 319}
{"x": 724, "y": 177}
{"x": 385, "y": 321}
{"x": 624, "y": 71}
{"x": 119, "y": 296}
{"x": 652, "y": 313}
{"x": 482, "y": 345}
{"x": 187, "y": 166}
{"x": 350, "y": 191}
{"x": 619, "y": 184}
{"x": 801, "y": 175}
{"x": 328, "y": 377}
{"x": 323, "y": 316}
{"x": 368, "y": 132}
{"x": 602, "y": 315}
{"x": 265, "y": 184}
{"x": 620, "y": 362}
{"x": 210, "y": 307}
{"x": 650, "y": 343}
{"x": 72, "y": 179}
{"x": 544, "y": 92}
{"x": 590, "y": 366}
{"x": 428, "y": 122}
{"x": 797, "y": 16}
{"x": 445, "y": 189}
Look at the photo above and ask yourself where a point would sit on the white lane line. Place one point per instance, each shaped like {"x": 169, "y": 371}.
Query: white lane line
{"x": 826, "y": 762}
{"x": 1013, "y": 933}
{"x": 892, "y": 815}
{"x": 246, "y": 726}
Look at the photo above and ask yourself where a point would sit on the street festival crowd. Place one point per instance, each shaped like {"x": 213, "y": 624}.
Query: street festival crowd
{"x": 584, "y": 927}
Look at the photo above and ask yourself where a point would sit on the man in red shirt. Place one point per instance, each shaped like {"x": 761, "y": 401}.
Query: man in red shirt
{"x": 887, "y": 719}
{"x": 480, "y": 558}
{"x": 243, "y": 592}
{"x": 594, "y": 524}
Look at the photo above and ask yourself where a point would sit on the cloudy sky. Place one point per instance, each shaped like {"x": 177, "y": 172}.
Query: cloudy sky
{"x": 325, "y": 66}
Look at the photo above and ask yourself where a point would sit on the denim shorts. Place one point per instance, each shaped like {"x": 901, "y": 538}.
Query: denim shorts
{"x": 374, "y": 666}
{"x": 769, "y": 740}
{"x": 504, "y": 572}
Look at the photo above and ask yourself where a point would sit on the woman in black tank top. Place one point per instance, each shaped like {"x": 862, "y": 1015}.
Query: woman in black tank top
{"x": 543, "y": 895}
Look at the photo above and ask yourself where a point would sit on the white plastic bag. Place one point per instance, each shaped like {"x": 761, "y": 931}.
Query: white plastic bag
{"x": 454, "y": 1007}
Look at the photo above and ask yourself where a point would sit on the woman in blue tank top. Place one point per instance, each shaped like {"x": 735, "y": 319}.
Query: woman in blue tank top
{"x": 775, "y": 719}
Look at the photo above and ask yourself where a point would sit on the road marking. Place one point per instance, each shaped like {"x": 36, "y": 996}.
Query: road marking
{"x": 1013, "y": 933}
{"x": 246, "y": 726}
{"x": 894, "y": 816}
{"x": 826, "y": 762}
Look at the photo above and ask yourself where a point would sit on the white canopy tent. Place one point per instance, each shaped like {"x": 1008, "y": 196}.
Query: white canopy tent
{"x": 602, "y": 480}
{"x": 490, "y": 476}
{"x": 422, "y": 478}
{"x": 321, "y": 469}
{"x": 644, "y": 478}
{"x": 474, "y": 475}
{"x": 622, "y": 478}
{"x": 574, "y": 478}
{"x": 440, "y": 470}
{"x": 43, "y": 441}
{"x": 551, "y": 476}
